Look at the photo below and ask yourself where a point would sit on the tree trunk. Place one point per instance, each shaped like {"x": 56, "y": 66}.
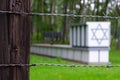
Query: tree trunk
{"x": 14, "y": 40}
{"x": 118, "y": 12}
{"x": 43, "y": 10}
{"x": 97, "y": 7}
{"x": 52, "y": 11}
{"x": 64, "y": 21}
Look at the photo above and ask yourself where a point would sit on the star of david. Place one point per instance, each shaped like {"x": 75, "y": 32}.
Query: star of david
{"x": 99, "y": 34}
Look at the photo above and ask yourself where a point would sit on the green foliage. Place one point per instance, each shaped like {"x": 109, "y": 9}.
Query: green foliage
{"x": 36, "y": 38}
{"x": 43, "y": 26}
{"x": 61, "y": 42}
{"x": 40, "y": 28}
{"x": 114, "y": 53}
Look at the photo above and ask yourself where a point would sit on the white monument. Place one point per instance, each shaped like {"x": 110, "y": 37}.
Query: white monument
{"x": 89, "y": 43}
{"x": 93, "y": 39}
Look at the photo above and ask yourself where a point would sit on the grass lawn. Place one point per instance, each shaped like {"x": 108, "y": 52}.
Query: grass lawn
{"x": 67, "y": 73}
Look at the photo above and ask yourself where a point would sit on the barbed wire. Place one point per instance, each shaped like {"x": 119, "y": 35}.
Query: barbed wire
{"x": 62, "y": 15}
{"x": 67, "y": 15}
{"x": 59, "y": 65}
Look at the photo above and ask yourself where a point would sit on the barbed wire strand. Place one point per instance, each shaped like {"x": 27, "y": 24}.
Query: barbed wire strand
{"x": 62, "y": 15}
{"x": 58, "y": 65}
{"x": 68, "y": 15}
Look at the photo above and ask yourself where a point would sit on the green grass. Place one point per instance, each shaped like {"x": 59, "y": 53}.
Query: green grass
{"x": 114, "y": 54}
{"x": 67, "y": 73}
{"x": 115, "y": 57}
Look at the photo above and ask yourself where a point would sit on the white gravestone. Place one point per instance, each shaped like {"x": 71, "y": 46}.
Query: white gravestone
{"x": 93, "y": 38}
{"x": 98, "y": 34}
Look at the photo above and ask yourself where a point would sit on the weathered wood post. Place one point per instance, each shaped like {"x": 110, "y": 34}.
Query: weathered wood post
{"x": 14, "y": 39}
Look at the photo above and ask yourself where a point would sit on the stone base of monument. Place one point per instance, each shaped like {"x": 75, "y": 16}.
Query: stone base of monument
{"x": 82, "y": 55}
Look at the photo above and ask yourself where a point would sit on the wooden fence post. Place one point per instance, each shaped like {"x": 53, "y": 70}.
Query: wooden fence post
{"x": 14, "y": 39}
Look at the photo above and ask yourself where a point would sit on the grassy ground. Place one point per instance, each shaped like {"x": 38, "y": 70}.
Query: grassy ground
{"x": 67, "y": 73}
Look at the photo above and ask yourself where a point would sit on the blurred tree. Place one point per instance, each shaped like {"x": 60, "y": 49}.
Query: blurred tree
{"x": 78, "y": 7}
{"x": 118, "y": 12}
{"x": 65, "y": 6}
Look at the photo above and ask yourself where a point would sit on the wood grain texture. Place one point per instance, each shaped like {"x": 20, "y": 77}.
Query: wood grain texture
{"x": 14, "y": 39}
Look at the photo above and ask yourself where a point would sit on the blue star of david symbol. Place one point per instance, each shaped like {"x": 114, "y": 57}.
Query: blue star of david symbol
{"x": 99, "y": 34}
